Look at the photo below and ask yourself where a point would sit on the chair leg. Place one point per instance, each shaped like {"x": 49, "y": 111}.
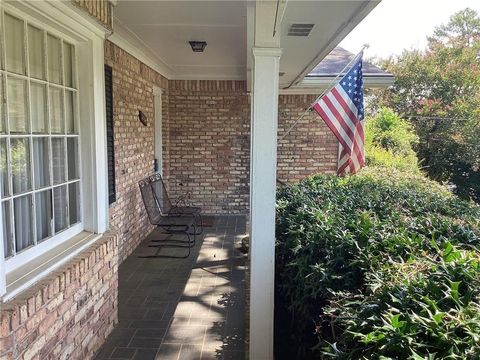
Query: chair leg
{"x": 172, "y": 232}
{"x": 160, "y": 246}
{"x": 198, "y": 220}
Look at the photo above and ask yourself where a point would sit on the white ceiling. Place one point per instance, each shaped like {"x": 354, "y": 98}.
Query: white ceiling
{"x": 333, "y": 21}
{"x": 162, "y": 30}
{"x": 166, "y": 27}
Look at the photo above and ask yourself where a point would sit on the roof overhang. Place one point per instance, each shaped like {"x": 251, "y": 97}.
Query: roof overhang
{"x": 333, "y": 21}
{"x": 157, "y": 32}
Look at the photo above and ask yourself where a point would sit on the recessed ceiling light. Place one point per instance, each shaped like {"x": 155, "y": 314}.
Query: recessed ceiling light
{"x": 198, "y": 46}
{"x": 300, "y": 29}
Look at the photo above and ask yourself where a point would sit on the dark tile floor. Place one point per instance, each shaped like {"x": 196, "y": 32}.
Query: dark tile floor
{"x": 183, "y": 308}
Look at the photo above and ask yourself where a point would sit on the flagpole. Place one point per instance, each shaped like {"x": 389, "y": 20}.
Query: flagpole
{"x": 329, "y": 87}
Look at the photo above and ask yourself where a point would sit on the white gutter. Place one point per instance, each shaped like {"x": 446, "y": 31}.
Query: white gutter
{"x": 372, "y": 81}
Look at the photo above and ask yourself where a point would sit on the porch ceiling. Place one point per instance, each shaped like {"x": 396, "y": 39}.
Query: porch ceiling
{"x": 162, "y": 29}
{"x": 166, "y": 27}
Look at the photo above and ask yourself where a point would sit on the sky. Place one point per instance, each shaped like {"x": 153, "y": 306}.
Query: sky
{"x": 395, "y": 25}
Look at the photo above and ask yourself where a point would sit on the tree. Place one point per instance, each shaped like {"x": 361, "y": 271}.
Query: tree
{"x": 438, "y": 90}
{"x": 463, "y": 29}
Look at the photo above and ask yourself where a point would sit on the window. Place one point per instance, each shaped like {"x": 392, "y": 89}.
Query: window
{"x": 110, "y": 137}
{"x": 39, "y": 135}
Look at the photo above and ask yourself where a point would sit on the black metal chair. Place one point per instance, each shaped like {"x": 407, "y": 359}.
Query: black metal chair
{"x": 180, "y": 207}
{"x": 170, "y": 223}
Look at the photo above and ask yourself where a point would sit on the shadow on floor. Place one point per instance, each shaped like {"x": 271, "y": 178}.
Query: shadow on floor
{"x": 183, "y": 308}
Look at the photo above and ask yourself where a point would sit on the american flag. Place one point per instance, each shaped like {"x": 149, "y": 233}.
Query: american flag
{"x": 342, "y": 110}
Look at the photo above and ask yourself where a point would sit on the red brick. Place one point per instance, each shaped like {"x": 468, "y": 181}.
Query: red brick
{"x": 46, "y": 332}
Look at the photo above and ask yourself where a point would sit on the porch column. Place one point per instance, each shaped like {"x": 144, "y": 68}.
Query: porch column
{"x": 263, "y": 167}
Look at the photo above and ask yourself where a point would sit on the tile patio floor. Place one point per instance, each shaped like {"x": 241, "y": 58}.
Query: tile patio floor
{"x": 183, "y": 308}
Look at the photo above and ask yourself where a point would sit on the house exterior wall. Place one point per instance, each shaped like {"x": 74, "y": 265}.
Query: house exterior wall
{"x": 209, "y": 143}
{"x": 310, "y": 147}
{"x": 133, "y": 84}
{"x": 99, "y": 9}
{"x": 206, "y": 143}
{"x": 69, "y": 314}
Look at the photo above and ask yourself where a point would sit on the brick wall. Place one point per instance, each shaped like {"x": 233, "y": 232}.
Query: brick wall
{"x": 209, "y": 140}
{"x": 206, "y": 143}
{"x": 134, "y": 143}
{"x": 99, "y": 9}
{"x": 310, "y": 147}
{"x": 67, "y": 315}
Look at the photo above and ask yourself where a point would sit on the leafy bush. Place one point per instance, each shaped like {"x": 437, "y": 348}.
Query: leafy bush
{"x": 389, "y": 141}
{"x": 380, "y": 265}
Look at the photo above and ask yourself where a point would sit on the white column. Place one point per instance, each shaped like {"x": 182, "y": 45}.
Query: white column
{"x": 263, "y": 167}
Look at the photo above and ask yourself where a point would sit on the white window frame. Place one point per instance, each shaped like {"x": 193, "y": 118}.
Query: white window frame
{"x": 65, "y": 21}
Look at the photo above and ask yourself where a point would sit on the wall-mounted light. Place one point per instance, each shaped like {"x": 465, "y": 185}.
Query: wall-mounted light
{"x": 142, "y": 117}
{"x": 198, "y": 46}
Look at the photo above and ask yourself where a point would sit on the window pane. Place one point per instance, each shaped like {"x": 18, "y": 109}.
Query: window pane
{"x": 54, "y": 59}
{"x": 22, "y": 208}
{"x": 58, "y": 160}
{"x": 70, "y": 111}
{"x": 36, "y": 53}
{"x": 74, "y": 203}
{"x": 20, "y": 159}
{"x": 7, "y": 229}
{"x": 3, "y": 129}
{"x": 56, "y": 110}
{"x": 14, "y": 44}
{"x": 72, "y": 153}
{"x": 43, "y": 213}
{"x": 60, "y": 207}
{"x": 3, "y": 168}
{"x": 41, "y": 168}
{"x": 38, "y": 93}
{"x": 17, "y": 105}
{"x": 68, "y": 64}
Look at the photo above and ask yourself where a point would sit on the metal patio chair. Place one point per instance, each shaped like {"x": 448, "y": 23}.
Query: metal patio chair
{"x": 170, "y": 223}
{"x": 180, "y": 207}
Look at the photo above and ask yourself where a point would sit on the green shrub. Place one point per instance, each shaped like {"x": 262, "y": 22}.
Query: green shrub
{"x": 389, "y": 141}
{"x": 380, "y": 265}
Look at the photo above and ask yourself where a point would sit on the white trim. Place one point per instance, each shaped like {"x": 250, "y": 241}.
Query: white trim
{"x": 71, "y": 24}
{"x": 128, "y": 41}
{"x": 266, "y": 52}
{"x": 60, "y": 14}
{"x": 157, "y": 102}
{"x": 205, "y": 77}
{"x": 369, "y": 81}
{"x": 263, "y": 166}
{"x": 93, "y": 128}
{"x": 24, "y": 279}
{"x": 24, "y": 256}
{"x": 3, "y": 272}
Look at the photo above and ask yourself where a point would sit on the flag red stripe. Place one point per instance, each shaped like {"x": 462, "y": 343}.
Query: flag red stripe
{"x": 339, "y": 118}
{"x": 346, "y": 108}
{"x": 325, "y": 118}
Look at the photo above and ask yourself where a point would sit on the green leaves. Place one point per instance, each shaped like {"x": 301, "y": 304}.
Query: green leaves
{"x": 380, "y": 265}
{"x": 438, "y": 91}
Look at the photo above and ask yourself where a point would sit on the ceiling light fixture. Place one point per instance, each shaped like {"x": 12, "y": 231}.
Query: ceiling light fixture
{"x": 198, "y": 46}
